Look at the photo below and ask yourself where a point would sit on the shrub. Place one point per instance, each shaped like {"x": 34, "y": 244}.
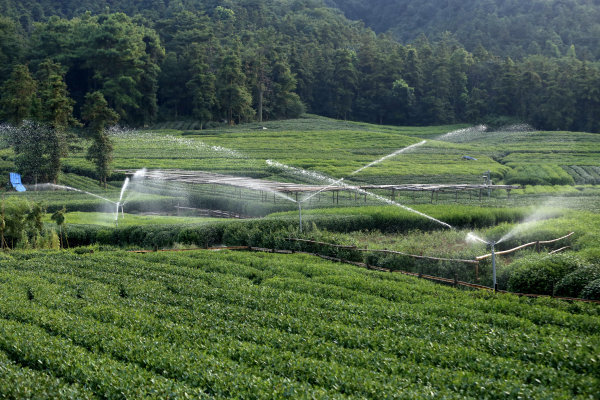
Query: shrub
{"x": 592, "y": 290}
{"x": 539, "y": 274}
{"x": 545, "y": 174}
{"x": 572, "y": 284}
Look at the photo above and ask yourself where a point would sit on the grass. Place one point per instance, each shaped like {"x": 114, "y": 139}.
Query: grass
{"x": 108, "y": 219}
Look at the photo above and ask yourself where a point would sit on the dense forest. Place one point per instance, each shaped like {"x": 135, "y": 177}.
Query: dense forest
{"x": 512, "y": 28}
{"x": 234, "y": 61}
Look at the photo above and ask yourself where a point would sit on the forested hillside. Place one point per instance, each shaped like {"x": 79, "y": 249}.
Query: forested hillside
{"x": 512, "y": 28}
{"x": 215, "y": 61}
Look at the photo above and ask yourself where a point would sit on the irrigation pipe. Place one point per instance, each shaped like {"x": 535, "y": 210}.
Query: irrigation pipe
{"x": 380, "y": 269}
{"x": 524, "y": 246}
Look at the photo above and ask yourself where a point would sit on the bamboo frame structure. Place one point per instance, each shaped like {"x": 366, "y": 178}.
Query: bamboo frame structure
{"x": 210, "y": 178}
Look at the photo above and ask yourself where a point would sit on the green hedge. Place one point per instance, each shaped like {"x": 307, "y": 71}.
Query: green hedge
{"x": 573, "y": 284}
{"x": 388, "y": 219}
{"x": 540, "y": 274}
{"x": 592, "y": 290}
{"x": 261, "y": 232}
{"x": 545, "y": 174}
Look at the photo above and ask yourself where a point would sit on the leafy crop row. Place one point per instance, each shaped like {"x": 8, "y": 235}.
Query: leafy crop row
{"x": 544, "y": 174}
{"x": 267, "y": 326}
{"x": 264, "y": 232}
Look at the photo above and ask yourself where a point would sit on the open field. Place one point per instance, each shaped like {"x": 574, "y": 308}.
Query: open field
{"x": 219, "y": 325}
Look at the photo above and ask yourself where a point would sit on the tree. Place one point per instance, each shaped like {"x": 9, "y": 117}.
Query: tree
{"x": 345, "y": 82}
{"x": 56, "y": 109}
{"x": 33, "y": 144}
{"x": 260, "y": 80}
{"x": 11, "y": 46}
{"x": 234, "y": 98}
{"x": 202, "y": 88}
{"x": 285, "y": 103}
{"x": 98, "y": 117}
{"x": 18, "y": 95}
{"x": 59, "y": 219}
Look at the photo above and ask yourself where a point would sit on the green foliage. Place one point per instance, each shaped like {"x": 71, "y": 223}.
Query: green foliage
{"x": 11, "y": 46}
{"x": 232, "y": 95}
{"x": 38, "y": 148}
{"x": 540, "y": 274}
{"x": 56, "y": 109}
{"x": 17, "y": 99}
{"x": 573, "y": 284}
{"x": 208, "y": 324}
{"x": 544, "y": 174}
{"x": 271, "y": 232}
{"x": 21, "y": 225}
{"x": 592, "y": 290}
{"x": 504, "y": 27}
{"x": 99, "y": 116}
{"x": 191, "y": 64}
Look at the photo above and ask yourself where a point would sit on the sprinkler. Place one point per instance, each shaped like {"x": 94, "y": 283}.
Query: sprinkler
{"x": 300, "y": 214}
{"x": 492, "y": 243}
{"x": 117, "y": 214}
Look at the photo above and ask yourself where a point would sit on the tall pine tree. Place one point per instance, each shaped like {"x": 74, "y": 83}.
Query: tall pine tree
{"x": 98, "y": 116}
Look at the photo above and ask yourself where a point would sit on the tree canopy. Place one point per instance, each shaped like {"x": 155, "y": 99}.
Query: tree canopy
{"x": 215, "y": 61}
{"x": 512, "y": 28}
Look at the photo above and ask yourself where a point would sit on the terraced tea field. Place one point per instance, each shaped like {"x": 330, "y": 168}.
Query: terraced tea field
{"x": 338, "y": 148}
{"x": 219, "y": 325}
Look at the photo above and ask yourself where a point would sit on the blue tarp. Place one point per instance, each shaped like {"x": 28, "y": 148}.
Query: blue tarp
{"x": 15, "y": 180}
{"x": 469, "y": 158}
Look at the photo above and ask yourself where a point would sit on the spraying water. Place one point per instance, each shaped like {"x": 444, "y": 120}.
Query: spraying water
{"x": 119, "y": 204}
{"x": 340, "y": 183}
{"x": 333, "y": 182}
{"x": 412, "y": 210}
{"x": 473, "y": 238}
{"x": 123, "y": 188}
{"x": 461, "y": 135}
{"x": 542, "y": 213}
{"x": 46, "y": 186}
{"x": 395, "y": 153}
{"x": 308, "y": 175}
{"x": 136, "y": 179}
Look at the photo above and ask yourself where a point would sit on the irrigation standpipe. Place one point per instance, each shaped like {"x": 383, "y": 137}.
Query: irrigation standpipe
{"x": 494, "y": 265}
{"x": 300, "y": 214}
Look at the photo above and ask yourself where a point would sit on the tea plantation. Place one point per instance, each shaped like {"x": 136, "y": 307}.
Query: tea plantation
{"x": 94, "y": 321}
{"x": 217, "y": 325}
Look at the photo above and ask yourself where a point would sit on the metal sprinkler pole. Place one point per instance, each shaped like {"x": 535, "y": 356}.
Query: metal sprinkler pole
{"x": 300, "y": 215}
{"x": 494, "y": 266}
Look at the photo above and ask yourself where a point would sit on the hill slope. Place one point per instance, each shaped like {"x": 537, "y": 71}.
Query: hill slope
{"x": 274, "y": 59}
{"x": 512, "y": 27}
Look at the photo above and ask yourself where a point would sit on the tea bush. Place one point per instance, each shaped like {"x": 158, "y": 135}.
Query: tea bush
{"x": 592, "y": 290}
{"x": 544, "y": 174}
{"x": 540, "y": 274}
{"x": 573, "y": 284}
{"x": 263, "y": 326}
